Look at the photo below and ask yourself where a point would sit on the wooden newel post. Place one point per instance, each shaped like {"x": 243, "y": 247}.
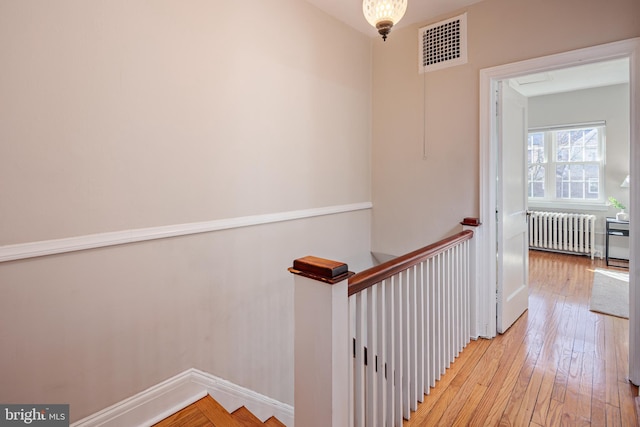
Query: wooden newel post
{"x": 321, "y": 343}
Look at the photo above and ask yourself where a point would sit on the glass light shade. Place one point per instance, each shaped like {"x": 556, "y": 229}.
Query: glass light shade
{"x": 625, "y": 183}
{"x": 384, "y": 14}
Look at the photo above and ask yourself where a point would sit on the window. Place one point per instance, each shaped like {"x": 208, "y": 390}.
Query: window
{"x": 567, "y": 164}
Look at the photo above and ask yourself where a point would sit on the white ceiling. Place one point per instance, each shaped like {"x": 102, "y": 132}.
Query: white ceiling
{"x": 350, "y": 12}
{"x": 574, "y": 78}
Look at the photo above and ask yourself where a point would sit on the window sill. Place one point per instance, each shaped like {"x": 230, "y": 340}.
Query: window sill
{"x": 595, "y": 206}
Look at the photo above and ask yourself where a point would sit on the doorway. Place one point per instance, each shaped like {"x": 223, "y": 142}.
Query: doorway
{"x": 489, "y": 81}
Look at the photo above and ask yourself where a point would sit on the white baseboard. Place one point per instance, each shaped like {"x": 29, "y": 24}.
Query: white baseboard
{"x": 232, "y": 396}
{"x": 158, "y": 402}
{"x": 149, "y": 406}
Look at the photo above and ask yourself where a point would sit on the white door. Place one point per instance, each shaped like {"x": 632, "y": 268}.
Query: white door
{"x": 512, "y": 247}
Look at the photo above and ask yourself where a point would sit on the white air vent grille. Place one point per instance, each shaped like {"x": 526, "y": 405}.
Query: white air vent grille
{"x": 443, "y": 44}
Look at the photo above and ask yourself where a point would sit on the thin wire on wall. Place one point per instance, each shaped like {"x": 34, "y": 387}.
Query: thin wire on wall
{"x": 424, "y": 116}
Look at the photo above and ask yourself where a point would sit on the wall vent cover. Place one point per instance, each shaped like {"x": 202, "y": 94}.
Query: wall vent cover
{"x": 443, "y": 44}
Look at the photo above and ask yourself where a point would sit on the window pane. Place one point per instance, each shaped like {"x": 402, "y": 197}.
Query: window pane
{"x": 577, "y": 190}
{"x": 591, "y": 152}
{"x": 592, "y": 172}
{"x": 576, "y": 172}
{"x": 536, "y": 172}
{"x": 578, "y": 181}
{"x": 536, "y": 180}
{"x": 536, "y": 148}
{"x": 593, "y": 189}
{"x": 562, "y": 189}
{"x": 577, "y": 145}
{"x": 577, "y": 152}
{"x": 563, "y": 146}
{"x": 562, "y": 173}
{"x": 592, "y": 176}
{"x": 536, "y": 158}
{"x": 537, "y": 190}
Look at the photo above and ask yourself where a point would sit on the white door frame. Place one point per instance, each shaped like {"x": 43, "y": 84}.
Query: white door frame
{"x": 489, "y": 78}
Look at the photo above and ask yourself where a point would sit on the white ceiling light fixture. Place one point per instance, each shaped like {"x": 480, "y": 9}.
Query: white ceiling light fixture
{"x": 384, "y": 14}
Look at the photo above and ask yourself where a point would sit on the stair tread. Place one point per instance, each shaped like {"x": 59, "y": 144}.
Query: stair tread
{"x": 245, "y": 418}
{"x": 207, "y": 412}
{"x": 216, "y": 413}
{"x": 273, "y": 422}
{"x": 190, "y": 416}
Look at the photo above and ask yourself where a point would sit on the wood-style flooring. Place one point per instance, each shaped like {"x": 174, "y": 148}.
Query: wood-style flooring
{"x": 559, "y": 364}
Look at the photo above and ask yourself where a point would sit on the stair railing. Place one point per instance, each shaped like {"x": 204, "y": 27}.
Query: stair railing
{"x": 369, "y": 346}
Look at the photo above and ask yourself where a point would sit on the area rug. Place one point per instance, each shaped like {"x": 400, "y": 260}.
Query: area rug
{"x": 610, "y": 293}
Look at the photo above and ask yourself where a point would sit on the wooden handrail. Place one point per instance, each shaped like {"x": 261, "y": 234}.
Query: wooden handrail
{"x": 371, "y": 276}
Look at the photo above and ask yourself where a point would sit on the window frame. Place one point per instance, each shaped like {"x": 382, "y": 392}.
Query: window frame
{"x": 551, "y": 163}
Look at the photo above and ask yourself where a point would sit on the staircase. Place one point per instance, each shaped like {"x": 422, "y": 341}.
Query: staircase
{"x": 208, "y": 412}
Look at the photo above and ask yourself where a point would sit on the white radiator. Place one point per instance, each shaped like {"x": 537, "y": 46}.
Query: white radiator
{"x": 562, "y": 232}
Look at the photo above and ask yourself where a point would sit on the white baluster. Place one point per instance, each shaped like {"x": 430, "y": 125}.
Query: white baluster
{"x": 457, "y": 317}
{"x": 352, "y": 360}
{"x": 398, "y": 347}
{"x": 381, "y": 340}
{"x": 457, "y": 301}
{"x": 392, "y": 408}
{"x": 440, "y": 318}
{"x": 448, "y": 308}
{"x": 467, "y": 291}
{"x": 429, "y": 329}
{"x": 372, "y": 349}
{"x": 359, "y": 365}
{"x": 412, "y": 344}
{"x": 421, "y": 323}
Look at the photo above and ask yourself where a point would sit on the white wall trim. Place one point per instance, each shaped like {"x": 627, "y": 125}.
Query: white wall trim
{"x": 232, "y": 396}
{"x": 149, "y": 406}
{"x": 158, "y": 402}
{"x": 92, "y": 241}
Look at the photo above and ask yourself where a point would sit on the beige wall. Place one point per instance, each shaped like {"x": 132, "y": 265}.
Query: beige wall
{"x": 120, "y": 115}
{"x": 416, "y": 200}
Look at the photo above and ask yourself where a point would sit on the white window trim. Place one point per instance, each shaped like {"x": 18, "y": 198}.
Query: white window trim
{"x": 580, "y": 206}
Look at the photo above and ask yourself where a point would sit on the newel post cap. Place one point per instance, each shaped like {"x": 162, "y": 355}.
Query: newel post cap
{"x": 321, "y": 269}
{"x": 471, "y": 222}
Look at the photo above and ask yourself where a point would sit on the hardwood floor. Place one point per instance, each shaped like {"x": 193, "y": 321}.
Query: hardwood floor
{"x": 559, "y": 364}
